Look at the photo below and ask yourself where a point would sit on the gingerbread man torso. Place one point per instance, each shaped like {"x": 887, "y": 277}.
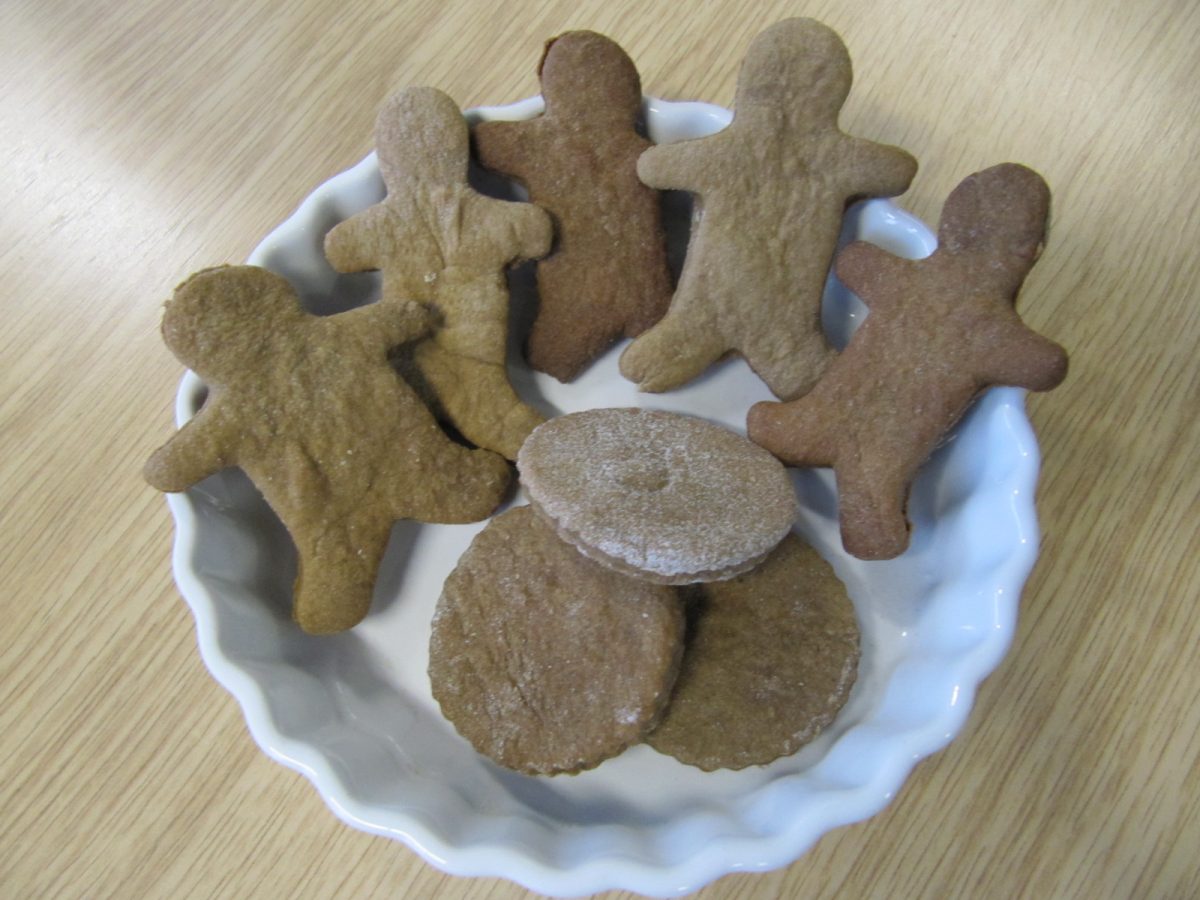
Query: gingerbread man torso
{"x": 607, "y": 277}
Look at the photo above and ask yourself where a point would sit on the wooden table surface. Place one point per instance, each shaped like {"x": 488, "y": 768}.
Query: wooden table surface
{"x": 145, "y": 139}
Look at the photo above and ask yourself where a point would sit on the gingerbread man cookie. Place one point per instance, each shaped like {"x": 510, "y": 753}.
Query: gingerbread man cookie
{"x": 313, "y": 412}
{"x": 441, "y": 243}
{"x": 607, "y": 277}
{"x": 940, "y": 330}
{"x": 770, "y": 193}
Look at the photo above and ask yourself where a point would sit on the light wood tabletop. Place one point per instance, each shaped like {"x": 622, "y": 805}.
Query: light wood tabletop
{"x": 146, "y": 139}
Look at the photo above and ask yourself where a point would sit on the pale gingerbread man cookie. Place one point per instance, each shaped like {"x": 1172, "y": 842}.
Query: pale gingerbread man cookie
{"x": 439, "y": 242}
{"x": 940, "y": 330}
{"x": 311, "y": 409}
{"x": 607, "y": 277}
{"x": 770, "y": 193}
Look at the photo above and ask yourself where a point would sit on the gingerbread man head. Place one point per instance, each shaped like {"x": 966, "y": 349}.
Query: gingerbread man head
{"x": 205, "y": 327}
{"x": 611, "y": 86}
{"x": 995, "y": 223}
{"x": 797, "y": 67}
{"x": 421, "y": 130}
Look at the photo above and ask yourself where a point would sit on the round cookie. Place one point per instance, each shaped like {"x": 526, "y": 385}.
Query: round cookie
{"x": 666, "y": 497}
{"x": 770, "y": 658}
{"x": 545, "y": 661}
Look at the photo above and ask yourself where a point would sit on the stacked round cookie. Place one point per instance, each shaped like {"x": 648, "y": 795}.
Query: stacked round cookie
{"x": 652, "y": 591}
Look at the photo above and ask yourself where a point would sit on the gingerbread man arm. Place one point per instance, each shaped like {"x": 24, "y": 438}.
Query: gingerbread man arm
{"x": 503, "y": 146}
{"x": 869, "y": 169}
{"x": 388, "y": 325}
{"x": 205, "y": 445}
{"x": 676, "y": 167}
{"x": 1010, "y": 353}
{"x": 532, "y": 231}
{"x": 355, "y": 244}
{"x": 871, "y": 273}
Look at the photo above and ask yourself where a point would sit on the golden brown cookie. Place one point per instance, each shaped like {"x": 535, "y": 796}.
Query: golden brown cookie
{"x": 770, "y": 192}
{"x": 313, "y": 412}
{"x": 666, "y": 497}
{"x": 441, "y": 243}
{"x": 545, "y": 661}
{"x": 607, "y": 277}
{"x": 769, "y": 660}
{"x": 940, "y": 330}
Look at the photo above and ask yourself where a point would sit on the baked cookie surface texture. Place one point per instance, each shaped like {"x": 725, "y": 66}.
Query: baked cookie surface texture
{"x": 939, "y": 331}
{"x": 310, "y": 408}
{"x": 663, "y": 496}
{"x": 546, "y": 661}
{"x": 770, "y": 192}
{"x": 439, "y": 242}
{"x": 607, "y": 277}
{"x": 770, "y": 659}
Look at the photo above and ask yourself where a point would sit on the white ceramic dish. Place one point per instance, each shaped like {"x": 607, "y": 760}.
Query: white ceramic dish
{"x": 353, "y": 713}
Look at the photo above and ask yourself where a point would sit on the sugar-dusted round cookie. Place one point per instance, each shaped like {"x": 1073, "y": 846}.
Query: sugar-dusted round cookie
{"x": 666, "y": 497}
{"x": 770, "y": 659}
{"x": 544, "y": 660}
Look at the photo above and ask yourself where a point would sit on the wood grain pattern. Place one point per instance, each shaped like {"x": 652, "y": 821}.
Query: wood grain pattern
{"x": 145, "y": 139}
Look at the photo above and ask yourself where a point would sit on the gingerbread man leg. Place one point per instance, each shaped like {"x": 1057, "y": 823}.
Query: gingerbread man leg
{"x": 478, "y": 398}
{"x": 871, "y": 502}
{"x": 566, "y": 335}
{"x": 672, "y": 353}
{"x": 774, "y": 427}
{"x": 872, "y": 486}
{"x": 791, "y": 371}
{"x": 338, "y": 567}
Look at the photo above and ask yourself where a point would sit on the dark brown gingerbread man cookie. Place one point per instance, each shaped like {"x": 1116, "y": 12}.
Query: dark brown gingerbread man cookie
{"x": 607, "y": 277}
{"x": 313, "y": 412}
{"x": 940, "y": 330}
{"x": 770, "y": 193}
{"x": 443, "y": 244}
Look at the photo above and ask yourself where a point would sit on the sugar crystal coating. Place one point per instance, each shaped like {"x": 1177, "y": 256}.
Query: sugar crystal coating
{"x": 669, "y": 497}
